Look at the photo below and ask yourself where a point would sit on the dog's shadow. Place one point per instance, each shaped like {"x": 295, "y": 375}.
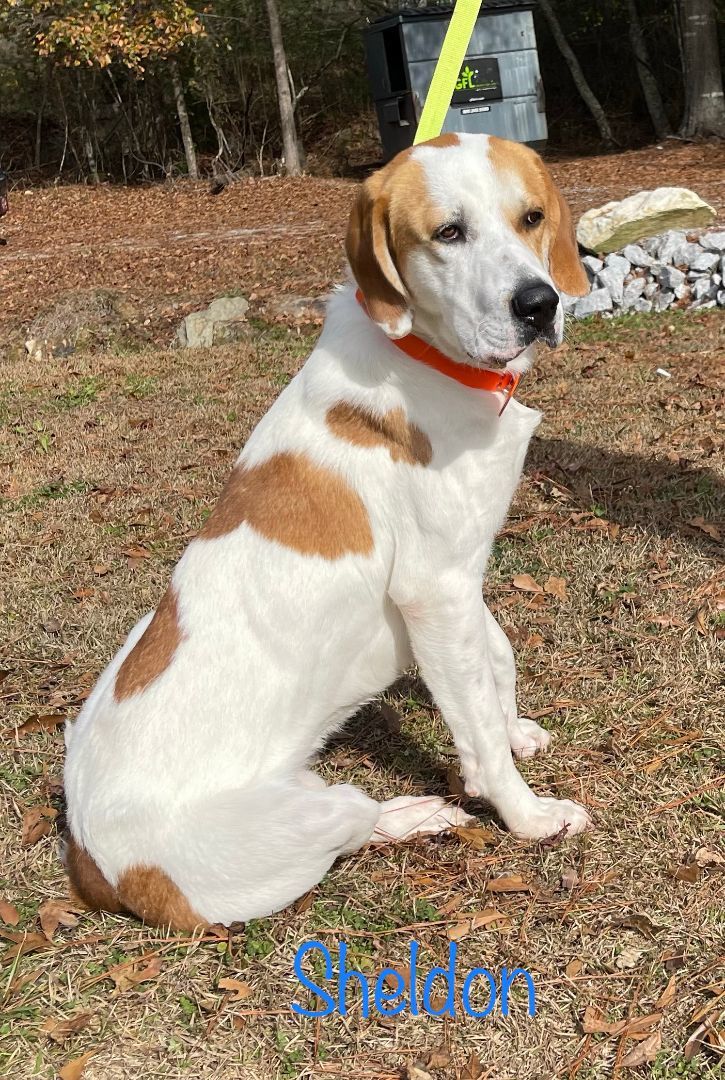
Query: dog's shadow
{"x": 375, "y": 733}
{"x": 635, "y": 489}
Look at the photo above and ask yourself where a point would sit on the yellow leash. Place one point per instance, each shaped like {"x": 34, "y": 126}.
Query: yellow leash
{"x": 443, "y": 83}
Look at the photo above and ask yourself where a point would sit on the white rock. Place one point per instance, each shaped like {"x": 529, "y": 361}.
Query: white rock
{"x": 568, "y": 302}
{"x": 695, "y": 275}
{"x": 703, "y": 305}
{"x": 703, "y": 289}
{"x": 706, "y": 260}
{"x": 597, "y": 300}
{"x": 592, "y": 264}
{"x": 222, "y": 320}
{"x": 685, "y": 253}
{"x": 619, "y": 263}
{"x": 716, "y": 279}
{"x": 651, "y": 289}
{"x": 663, "y": 299}
{"x": 670, "y": 276}
{"x": 682, "y": 290}
{"x": 721, "y": 297}
{"x": 633, "y": 291}
{"x": 655, "y": 270}
{"x": 669, "y": 243}
{"x": 610, "y": 227}
{"x": 613, "y": 279}
{"x": 714, "y": 241}
{"x": 637, "y": 255}
{"x": 642, "y": 305}
{"x": 652, "y": 243}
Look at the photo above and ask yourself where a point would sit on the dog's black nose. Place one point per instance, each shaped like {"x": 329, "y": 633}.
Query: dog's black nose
{"x": 535, "y": 303}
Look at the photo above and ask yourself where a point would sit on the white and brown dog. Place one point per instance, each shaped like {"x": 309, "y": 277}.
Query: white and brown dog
{"x": 350, "y": 541}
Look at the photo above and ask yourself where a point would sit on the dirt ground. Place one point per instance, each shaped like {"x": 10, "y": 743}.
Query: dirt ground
{"x": 608, "y": 578}
{"x": 171, "y": 250}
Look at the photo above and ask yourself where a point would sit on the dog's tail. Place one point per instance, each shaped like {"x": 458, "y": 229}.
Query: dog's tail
{"x": 236, "y": 856}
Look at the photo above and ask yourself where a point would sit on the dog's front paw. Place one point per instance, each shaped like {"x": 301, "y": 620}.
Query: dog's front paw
{"x": 547, "y": 817}
{"x": 527, "y": 737}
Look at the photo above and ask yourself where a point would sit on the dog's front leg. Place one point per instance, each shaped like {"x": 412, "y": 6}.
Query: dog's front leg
{"x": 526, "y": 737}
{"x": 448, "y": 635}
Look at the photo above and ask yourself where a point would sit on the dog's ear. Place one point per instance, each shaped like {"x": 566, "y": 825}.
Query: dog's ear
{"x": 564, "y": 263}
{"x": 369, "y": 253}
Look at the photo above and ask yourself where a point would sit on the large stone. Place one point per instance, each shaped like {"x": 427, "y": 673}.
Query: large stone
{"x": 637, "y": 255}
{"x": 670, "y": 277}
{"x": 633, "y": 291}
{"x": 706, "y": 260}
{"x": 223, "y": 320}
{"x": 592, "y": 264}
{"x": 618, "y": 262}
{"x": 642, "y": 305}
{"x": 721, "y": 298}
{"x": 598, "y": 300}
{"x": 685, "y": 253}
{"x": 714, "y": 241}
{"x": 668, "y": 244}
{"x": 703, "y": 289}
{"x": 610, "y": 227}
{"x": 663, "y": 300}
{"x": 612, "y": 278}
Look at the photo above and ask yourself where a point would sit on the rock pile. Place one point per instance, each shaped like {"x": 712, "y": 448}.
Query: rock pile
{"x": 662, "y": 272}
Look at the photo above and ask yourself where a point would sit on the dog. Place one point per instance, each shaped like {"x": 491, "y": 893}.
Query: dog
{"x": 350, "y": 541}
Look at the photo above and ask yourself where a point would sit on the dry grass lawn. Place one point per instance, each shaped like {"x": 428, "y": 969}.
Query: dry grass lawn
{"x": 109, "y": 462}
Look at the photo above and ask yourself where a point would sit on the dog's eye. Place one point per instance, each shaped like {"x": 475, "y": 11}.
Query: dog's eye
{"x": 449, "y": 233}
{"x": 533, "y": 218}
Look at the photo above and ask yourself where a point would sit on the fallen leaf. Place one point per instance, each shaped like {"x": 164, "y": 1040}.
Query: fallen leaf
{"x": 438, "y": 1059}
{"x": 459, "y": 930}
{"x": 9, "y": 914}
{"x": 509, "y": 883}
{"x": 61, "y": 1030}
{"x": 238, "y": 990}
{"x": 706, "y": 527}
{"x": 40, "y": 723}
{"x": 478, "y": 839}
{"x": 473, "y": 1069}
{"x": 573, "y": 968}
{"x": 455, "y": 784}
{"x": 629, "y": 957}
{"x": 668, "y": 994}
{"x": 642, "y": 923}
{"x": 569, "y": 878}
{"x": 404, "y": 972}
{"x": 645, "y": 1051}
{"x": 100, "y": 569}
{"x": 556, "y": 586}
{"x": 25, "y": 943}
{"x": 416, "y": 1070}
{"x": 556, "y": 838}
{"x": 127, "y": 976}
{"x": 52, "y": 626}
{"x": 37, "y": 823}
{"x": 55, "y": 913}
{"x": 705, "y": 857}
{"x": 73, "y": 1070}
{"x": 526, "y": 583}
{"x": 690, "y": 872}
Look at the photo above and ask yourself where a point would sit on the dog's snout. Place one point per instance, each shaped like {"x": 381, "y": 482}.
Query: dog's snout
{"x": 535, "y": 303}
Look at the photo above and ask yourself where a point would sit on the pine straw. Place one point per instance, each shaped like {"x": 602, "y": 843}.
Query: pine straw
{"x": 108, "y": 464}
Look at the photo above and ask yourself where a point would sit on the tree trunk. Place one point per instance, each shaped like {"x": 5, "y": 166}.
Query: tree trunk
{"x": 577, "y": 74}
{"x": 284, "y": 94}
{"x": 183, "y": 115}
{"x": 648, "y": 82}
{"x": 704, "y": 102}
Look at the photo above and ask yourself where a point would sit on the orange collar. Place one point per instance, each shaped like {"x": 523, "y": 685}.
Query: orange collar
{"x": 504, "y": 382}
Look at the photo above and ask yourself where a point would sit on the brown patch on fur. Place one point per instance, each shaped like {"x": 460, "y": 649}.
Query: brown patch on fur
{"x": 392, "y": 213}
{"x": 403, "y": 440}
{"x": 554, "y": 240}
{"x": 150, "y": 894}
{"x": 290, "y": 499}
{"x": 87, "y": 882}
{"x": 153, "y": 653}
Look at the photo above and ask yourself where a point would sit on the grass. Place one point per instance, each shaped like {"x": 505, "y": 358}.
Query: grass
{"x": 624, "y": 669}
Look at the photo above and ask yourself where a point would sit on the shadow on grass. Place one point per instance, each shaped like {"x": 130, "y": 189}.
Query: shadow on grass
{"x": 632, "y": 489}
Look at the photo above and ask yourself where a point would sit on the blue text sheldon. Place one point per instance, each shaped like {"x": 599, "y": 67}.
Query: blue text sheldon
{"x": 391, "y": 994}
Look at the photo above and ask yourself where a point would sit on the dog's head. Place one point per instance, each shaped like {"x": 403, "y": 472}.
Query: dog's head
{"x": 467, "y": 241}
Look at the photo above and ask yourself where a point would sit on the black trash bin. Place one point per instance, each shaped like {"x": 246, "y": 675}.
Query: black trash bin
{"x": 499, "y": 89}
